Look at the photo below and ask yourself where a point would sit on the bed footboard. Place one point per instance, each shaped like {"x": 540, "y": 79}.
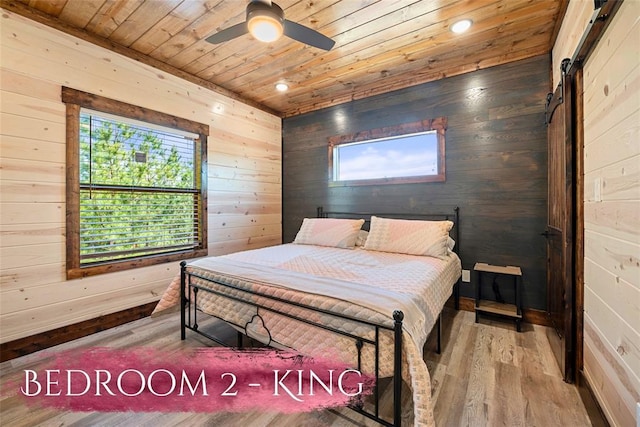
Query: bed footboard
{"x": 190, "y": 290}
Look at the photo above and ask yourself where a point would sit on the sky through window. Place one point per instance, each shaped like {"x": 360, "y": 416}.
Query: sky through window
{"x": 401, "y": 156}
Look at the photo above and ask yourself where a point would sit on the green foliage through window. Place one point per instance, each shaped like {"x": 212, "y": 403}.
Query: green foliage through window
{"x": 138, "y": 190}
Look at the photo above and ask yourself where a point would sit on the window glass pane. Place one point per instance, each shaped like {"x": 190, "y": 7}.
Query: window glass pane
{"x": 138, "y": 192}
{"x": 124, "y": 224}
{"x": 402, "y": 156}
{"x": 119, "y": 153}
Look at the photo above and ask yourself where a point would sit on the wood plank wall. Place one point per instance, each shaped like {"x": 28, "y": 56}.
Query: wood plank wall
{"x": 612, "y": 232}
{"x": 244, "y": 174}
{"x": 496, "y": 164}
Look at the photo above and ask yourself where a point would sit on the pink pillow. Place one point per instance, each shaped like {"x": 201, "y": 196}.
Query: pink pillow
{"x": 409, "y": 236}
{"x": 335, "y": 232}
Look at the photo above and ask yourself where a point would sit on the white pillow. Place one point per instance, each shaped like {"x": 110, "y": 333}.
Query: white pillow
{"x": 335, "y": 232}
{"x": 410, "y": 237}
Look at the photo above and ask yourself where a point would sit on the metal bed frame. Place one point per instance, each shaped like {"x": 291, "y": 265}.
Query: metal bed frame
{"x": 189, "y": 320}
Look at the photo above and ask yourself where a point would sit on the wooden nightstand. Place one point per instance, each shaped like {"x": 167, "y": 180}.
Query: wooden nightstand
{"x": 513, "y": 311}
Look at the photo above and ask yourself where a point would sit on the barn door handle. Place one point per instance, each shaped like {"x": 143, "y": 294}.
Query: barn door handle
{"x": 546, "y": 234}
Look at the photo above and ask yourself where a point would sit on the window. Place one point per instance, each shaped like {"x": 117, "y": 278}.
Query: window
{"x": 136, "y": 186}
{"x": 411, "y": 152}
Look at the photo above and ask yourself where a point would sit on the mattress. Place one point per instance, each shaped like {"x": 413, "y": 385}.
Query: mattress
{"x": 367, "y": 285}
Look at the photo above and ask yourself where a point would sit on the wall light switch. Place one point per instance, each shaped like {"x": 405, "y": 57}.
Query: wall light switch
{"x": 466, "y": 276}
{"x": 597, "y": 190}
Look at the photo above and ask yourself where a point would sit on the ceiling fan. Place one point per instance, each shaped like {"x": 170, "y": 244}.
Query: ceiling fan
{"x": 265, "y": 21}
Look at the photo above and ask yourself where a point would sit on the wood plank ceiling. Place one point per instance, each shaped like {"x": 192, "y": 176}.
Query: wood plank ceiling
{"x": 381, "y": 45}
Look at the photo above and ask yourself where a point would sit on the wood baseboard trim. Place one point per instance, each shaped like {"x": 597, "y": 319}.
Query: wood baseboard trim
{"x": 530, "y": 315}
{"x": 23, "y": 346}
{"x": 594, "y": 410}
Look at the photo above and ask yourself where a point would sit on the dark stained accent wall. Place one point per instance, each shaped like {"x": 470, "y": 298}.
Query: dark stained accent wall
{"x": 496, "y": 162}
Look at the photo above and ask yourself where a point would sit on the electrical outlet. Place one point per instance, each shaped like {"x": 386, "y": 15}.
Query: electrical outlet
{"x": 466, "y": 276}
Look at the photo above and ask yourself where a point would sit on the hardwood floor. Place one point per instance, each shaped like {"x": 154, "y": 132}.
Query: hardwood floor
{"x": 487, "y": 375}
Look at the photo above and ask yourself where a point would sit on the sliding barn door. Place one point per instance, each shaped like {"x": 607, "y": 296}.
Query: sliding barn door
{"x": 559, "y": 232}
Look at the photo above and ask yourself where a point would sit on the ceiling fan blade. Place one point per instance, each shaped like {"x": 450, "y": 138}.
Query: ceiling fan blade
{"x": 307, "y": 35}
{"x": 228, "y": 33}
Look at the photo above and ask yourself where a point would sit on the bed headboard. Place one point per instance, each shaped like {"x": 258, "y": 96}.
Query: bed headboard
{"x": 453, "y": 215}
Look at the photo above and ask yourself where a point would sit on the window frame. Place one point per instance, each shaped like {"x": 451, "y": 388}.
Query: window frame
{"x": 75, "y": 100}
{"x": 438, "y": 124}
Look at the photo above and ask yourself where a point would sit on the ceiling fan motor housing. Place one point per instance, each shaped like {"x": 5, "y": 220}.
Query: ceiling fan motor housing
{"x": 259, "y": 9}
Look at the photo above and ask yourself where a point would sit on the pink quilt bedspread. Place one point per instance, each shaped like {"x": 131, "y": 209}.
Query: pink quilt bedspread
{"x": 364, "y": 284}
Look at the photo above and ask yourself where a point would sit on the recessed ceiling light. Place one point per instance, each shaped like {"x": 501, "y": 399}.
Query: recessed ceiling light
{"x": 461, "y": 26}
{"x": 282, "y": 87}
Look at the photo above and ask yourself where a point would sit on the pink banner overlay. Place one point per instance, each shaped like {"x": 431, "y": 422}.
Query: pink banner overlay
{"x": 202, "y": 380}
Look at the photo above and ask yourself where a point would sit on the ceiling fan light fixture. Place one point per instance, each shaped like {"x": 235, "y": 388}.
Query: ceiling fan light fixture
{"x": 265, "y": 22}
{"x": 461, "y": 26}
{"x": 265, "y": 28}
